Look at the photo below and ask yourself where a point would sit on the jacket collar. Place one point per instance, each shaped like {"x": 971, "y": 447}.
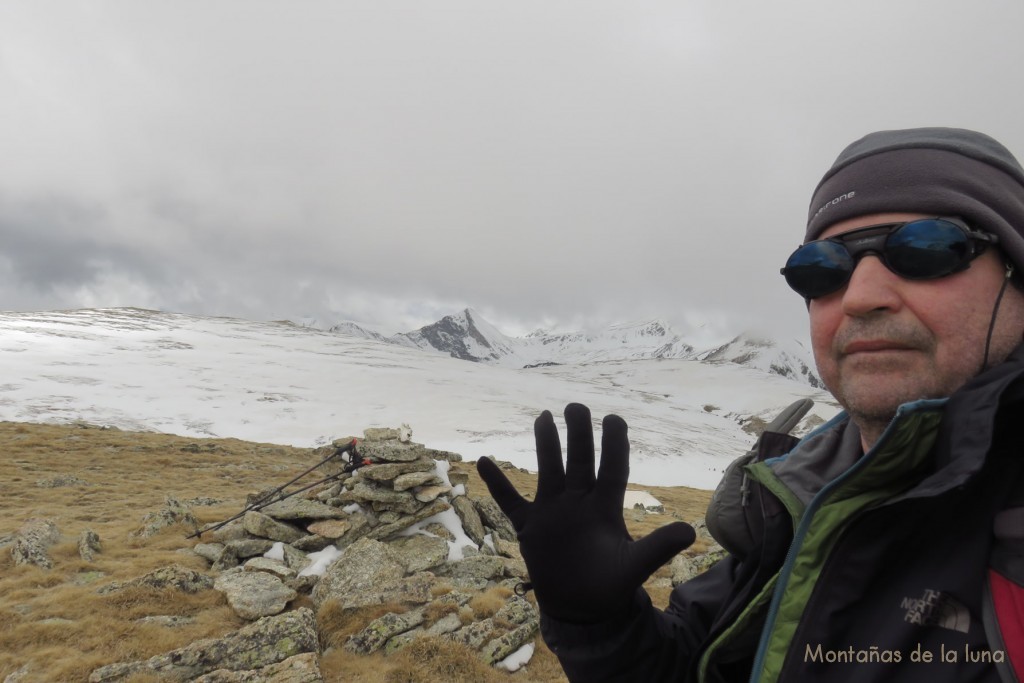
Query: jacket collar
{"x": 970, "y": 420}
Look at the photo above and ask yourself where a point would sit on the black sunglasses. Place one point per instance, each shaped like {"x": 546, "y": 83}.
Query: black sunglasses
{"x": 923, "y": 249}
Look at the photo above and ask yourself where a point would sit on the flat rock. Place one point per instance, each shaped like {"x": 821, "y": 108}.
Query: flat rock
{"x": 301, "y": 508}
{"x": 471, "y": 521}
{"x": 427, "y": 494}
{"x": 333, "y": 528}
{"x": 265, "y": 526}
{"x": 504, "y": 645}
{"x": 382, "y": 629}
{"x": 261, "y": 644}
{"x": 249, "y": 547}
{"x": 420, "y": 552}
{"x": 304, "y": 668}
{"x": 492, "y": 516}
{"x": 407, "y": 481}
{"x": 276, "y": 568}
{"x": 173, "y": 576}
{"x": 255, "y": 594}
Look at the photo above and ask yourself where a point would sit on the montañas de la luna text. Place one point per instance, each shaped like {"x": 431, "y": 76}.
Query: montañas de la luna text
{"x": 876, "y": 655}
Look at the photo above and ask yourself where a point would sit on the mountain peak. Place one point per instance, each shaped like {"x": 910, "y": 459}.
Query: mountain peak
{"x": 465, "y": 335}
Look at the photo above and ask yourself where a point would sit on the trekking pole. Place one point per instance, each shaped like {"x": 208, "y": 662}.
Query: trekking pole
{"x": 268, "y": 498}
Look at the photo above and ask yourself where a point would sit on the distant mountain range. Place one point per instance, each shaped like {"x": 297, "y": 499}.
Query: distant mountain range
{"x": 468, "y": 336}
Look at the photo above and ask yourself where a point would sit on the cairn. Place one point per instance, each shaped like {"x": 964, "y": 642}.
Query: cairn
{"x": 398, "y": 529}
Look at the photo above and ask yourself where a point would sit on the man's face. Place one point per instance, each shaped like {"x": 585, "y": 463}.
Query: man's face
{"x": 883, "y": 340}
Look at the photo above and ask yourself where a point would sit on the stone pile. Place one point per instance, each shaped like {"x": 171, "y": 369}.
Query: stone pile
{"x": 404, "y": 533}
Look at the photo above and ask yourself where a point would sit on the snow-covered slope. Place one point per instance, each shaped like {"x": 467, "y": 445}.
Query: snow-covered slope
{"x": 792, "y": 361}
{"x": 467, "y": 336}
{"x": 627, "y": 341}
{"x": 283, "y": 383}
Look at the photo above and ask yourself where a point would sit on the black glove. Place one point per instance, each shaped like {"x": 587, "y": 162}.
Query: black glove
{"x": 583, "y": 564}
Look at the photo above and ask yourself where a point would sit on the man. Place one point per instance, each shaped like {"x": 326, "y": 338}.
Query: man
{"x": 889, "y": 543}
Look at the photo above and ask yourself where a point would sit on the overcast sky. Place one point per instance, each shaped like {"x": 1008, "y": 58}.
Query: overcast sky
{"x": 557, "y": 164}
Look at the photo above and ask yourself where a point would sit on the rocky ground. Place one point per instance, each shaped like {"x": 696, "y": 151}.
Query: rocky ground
{"x": 428, "y": 577}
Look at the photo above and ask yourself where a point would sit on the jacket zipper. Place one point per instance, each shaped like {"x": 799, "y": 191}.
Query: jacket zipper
{"x": 801, "y": 532}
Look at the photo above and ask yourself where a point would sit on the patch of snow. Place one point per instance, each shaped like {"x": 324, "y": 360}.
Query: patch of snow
{"x": 450, "y": 519}
{"x": 320, "y": 561}
{"x": 276, "y": 551}
{"x": 647, "y": 500}
{"x": 517, "y": 659}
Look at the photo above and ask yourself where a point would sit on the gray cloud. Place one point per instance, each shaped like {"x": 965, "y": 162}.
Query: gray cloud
{"x": 549, "y": 163}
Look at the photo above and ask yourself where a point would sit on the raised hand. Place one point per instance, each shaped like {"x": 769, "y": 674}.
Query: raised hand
{"x": 583, "y": 564}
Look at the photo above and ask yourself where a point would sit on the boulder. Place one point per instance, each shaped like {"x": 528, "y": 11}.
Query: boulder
{"x": 32, "y": 542}
{"x": 685, "y": 567}
{"x": 312, "y": 544}
{"x": 420, "y": 552}
{"x": 405, "y": 482}
{"x": 473, "y": 635}
{"x": 265, "y": 526}
{"x": 175, "y": 576}
{"x": 173, "y": 512}
{"x": 381, "y": 434}
{"x": 254, "y": 594}
{"x": 260, "y": 644}
{"x": 366, "y": 565}
{"x": 88, "y": 545}
{"x": 504, "y": 645}
{"x": 227, "y": 560}
{"x": 393, "y": 451}
{"x": 492, "y": 516}
{"x": 399, "y": 501}
{"x": 485, "y": 567}
{"x": 304, "y": 668}
{"x": 471, "y": 521}
{"x": 211, "y": 552}
{"x": 249, "y": 547}
{"x": 382, "y": 629}
{"x": 517, "y": 610}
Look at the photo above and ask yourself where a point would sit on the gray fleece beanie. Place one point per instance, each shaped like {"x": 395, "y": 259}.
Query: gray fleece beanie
{"x": 935, "y": 171}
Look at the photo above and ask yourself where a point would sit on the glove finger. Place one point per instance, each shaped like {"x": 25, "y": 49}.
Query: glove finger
{"x": 657, "y": 548}
{"x": 550, "y": 471}
{"x": 504, "y": 493}
{"x": 579, "y": 468}
{"x": 614, "y": 471}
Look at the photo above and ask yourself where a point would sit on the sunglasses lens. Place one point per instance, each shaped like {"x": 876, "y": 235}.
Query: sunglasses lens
{"x": 818, "y": 268}
{"x": 925, "y": 249}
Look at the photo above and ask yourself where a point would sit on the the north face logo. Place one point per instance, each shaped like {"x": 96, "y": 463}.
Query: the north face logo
{"x": 936, "y": 608}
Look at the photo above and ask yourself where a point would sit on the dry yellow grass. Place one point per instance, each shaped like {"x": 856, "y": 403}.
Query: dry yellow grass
{"x": 54, "y": 620}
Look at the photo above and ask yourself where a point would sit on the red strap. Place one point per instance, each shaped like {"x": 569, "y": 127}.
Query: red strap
{"x": 1008, "y": 599}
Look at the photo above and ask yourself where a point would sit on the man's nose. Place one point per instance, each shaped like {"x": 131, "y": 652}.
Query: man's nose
{"x": 872, "y": 287}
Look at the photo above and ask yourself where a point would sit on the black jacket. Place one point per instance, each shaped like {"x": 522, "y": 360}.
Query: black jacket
{"x": 881, "y": 572}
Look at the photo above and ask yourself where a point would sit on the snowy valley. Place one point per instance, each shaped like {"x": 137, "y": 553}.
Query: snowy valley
{"x": 281, "y": 382}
